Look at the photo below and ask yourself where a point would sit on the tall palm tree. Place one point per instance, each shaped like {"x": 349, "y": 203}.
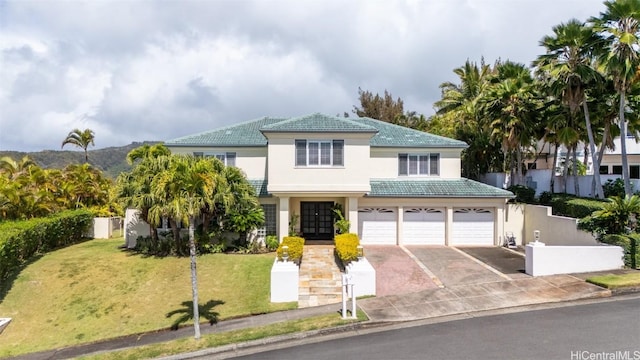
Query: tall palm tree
{"x": 146, "y": 151}
{"x": 619, "y": 26}
{"x": 569, "y": 62}
{"x": 190, "y": 182}
{"x": 81, "y": 139}
{"x": 511, "y": 104}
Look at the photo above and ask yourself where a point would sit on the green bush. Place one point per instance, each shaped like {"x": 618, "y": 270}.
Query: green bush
{"x": 613, "y": 188}
{"x": 347, "y": 246}
{"x": 295, "y": 245}
{"x": 271, "y": 242}
{"x": 21, "y": 240}
{"x": 545, "y": 198}
{"x": 571, "y": 206}
{"x": 630, "y": 246}
{"x": 523, "y": 193}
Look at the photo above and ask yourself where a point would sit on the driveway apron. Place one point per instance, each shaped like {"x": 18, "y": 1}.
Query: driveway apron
{"x": 506, "y": 261}
{"x": 452, "y": 267}
{"x": 396, "y": 271}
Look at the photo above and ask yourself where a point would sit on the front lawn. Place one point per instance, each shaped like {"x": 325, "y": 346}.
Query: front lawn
{"x": 94, "y": 290}
{"x": 611, "y": 281}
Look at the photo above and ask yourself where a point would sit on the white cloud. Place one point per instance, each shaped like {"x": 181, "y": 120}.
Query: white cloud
{"x": 135, "y": 71}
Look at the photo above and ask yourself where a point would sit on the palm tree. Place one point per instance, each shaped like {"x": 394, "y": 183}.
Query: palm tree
{"x": 190, "y": 182}
{"x": 81, "y": 139}
{"x": 510, "y": 105}
{"x": 146, "y": 151}
{"x": 568, "y": 61}
{"x": 619, "y": 26}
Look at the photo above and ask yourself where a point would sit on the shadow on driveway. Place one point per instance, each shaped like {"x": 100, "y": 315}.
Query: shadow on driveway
{"x": 501, "y": 259}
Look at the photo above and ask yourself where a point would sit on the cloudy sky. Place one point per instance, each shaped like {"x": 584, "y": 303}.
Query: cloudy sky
{"x": 142, "y": 70}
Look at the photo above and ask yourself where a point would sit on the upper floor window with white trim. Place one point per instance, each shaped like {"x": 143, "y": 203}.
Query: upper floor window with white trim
{"x": 320, "y": 153}
{"x": 227, "y": 158}
{"x": 419, "y": 164}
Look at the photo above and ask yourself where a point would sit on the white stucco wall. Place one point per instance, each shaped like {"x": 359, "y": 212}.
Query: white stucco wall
{"x": 134, "y": 227}
{"x": 514, "y": 218}
{"x": 284, "y": 176}
{"x": 551, "y": 260}
{"x": 384, "y": 162}
{"x": 554, "y": 230}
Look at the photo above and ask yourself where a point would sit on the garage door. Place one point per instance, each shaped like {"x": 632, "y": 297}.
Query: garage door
{"x": 472, "y": 226}
{"x": 423, "y": 226}
{"x": 377, "y": 225}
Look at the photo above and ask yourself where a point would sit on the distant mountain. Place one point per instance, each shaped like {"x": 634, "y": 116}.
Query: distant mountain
{"x": 112, "y": 160}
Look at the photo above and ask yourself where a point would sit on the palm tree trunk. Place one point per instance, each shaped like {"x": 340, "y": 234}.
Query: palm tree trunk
{"x": 194, "y": 277}
{"x": 565, "y": 169}
{"x": 552, "y": 182}
{"x": 592, "y": 149}
{"x": 623, "y": 147}
{"x": 576, "y": 185}
{"x": 519, "y": 164}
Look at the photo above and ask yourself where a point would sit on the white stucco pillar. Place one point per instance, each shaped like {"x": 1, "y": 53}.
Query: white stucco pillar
{"x": 448, "y": 225}
{"x": 283, "y": 217}
{"x": 352, "y": 210}
{"x": 499, "y": 228}
{"x": 399, "y": 240}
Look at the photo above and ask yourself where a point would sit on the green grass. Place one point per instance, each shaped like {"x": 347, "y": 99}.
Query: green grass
{"x": 611, "y": 281}
{"x": 229, "y": 337}
{"x": 93, "y": 291}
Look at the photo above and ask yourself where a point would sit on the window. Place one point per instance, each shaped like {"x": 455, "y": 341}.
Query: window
{"x": 321, "y": 153}
{"x": 227, "y": 158}
{"x": 418, "y": 164}
{"x": 634, "y": 171}
{"x": 604, "y": 169}
{"x": 269, "y": 227}
{"x": 617, "y": 169}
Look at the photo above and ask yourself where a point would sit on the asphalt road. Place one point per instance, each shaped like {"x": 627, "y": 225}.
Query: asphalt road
{"x": 604, "y": 330}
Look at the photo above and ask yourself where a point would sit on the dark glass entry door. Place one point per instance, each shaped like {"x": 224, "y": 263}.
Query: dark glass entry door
{"x": 317, "y": 220}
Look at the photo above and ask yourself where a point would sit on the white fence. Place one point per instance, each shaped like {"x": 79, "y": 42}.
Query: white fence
{"x": 106, "y": 227}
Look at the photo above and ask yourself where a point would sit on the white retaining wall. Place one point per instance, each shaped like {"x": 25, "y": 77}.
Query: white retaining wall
{"x": 550, "y": 260}
{"x": 134, "y": 227}
{"x": 363, "y": 276}
{"x": 104, "y": 227}
{"x": 554, "y": 230}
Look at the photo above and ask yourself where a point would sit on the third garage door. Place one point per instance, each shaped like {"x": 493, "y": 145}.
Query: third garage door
{"x": 423, "y": 226}
{"x": 472, "y": 226}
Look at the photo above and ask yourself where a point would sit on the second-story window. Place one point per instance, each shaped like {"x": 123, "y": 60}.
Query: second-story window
{"x": 418, "y": 164}
{"x": 227, "y": 158}
{"x": 319, "y": 153}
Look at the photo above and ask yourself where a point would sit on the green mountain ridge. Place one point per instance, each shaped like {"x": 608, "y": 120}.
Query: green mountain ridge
{"x": 110, "y": 160}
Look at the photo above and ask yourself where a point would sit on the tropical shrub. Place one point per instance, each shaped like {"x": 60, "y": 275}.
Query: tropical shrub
{"x": 347, "y": 246}
{"x": 630, "y": 245}
{"x": 545, "y": 198}
{"x": 571, "y": 206}
{"x": 271, "y": 242}
{"x": 523, "y": 193}
{"x": 341, "y": 224}
{"x": 21, "y": 240}
{"x": 295, "y": 245}
{"x": 613, "y": 188}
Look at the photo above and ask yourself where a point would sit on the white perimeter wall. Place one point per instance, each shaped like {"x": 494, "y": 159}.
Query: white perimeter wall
{"x": 550, "y": 260}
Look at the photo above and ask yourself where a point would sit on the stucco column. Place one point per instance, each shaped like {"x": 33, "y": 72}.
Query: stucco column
{"x": 399, "y": 239}
{"x": 352, "y": 210}
{"x": 283, "y": 217}
{"x": 448, "y": 230}
{"x": 499, "y": 228}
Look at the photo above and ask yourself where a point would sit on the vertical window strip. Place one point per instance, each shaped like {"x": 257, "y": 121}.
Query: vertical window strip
{"x": 325, "y": 153}
{"x": 231, "y": 159}
{"x": 434, "y": 161}
{"x": 338, "y": 152}
{"x": 403, "y": 164}
{"x": 423, "y": 167}
{"x": 301, "y": 153}
{"x": 314, "y": 153}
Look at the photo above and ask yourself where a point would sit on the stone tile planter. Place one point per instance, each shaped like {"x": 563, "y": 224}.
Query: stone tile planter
{"x": 284, "y": 281}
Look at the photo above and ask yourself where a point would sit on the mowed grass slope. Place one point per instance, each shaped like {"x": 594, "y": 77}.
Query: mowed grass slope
{"x": 94, "y": 290}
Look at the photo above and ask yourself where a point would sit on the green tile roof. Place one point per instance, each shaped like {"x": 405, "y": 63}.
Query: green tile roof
{"x": 319, "y": 123}
{"x": 435, "y": 188}
{"x": 251, "y": 133}
{"x": 243, "y": 134}
{"x": 260, "y": 185}
{"x": 390, "y": 135}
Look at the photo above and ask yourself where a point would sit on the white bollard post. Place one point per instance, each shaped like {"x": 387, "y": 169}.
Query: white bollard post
{"x": 344, "y": 296}
{"x": 353, "y": 302}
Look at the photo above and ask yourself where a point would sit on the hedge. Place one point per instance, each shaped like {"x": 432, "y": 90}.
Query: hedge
{"x": 21, "y": 240}
{"x": 630, "y": 246}
{"x": 347, "y": 246}
{"x": 575, "y": 207}
{"x": 295, "y": 245}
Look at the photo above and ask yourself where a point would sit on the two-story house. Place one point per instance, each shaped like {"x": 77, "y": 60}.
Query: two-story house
{"x": 396, "y": 185}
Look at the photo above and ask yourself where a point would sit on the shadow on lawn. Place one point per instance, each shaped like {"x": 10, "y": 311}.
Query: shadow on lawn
{"x": 206, "y": 311}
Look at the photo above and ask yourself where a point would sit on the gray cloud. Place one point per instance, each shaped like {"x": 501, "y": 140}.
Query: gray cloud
{"x": 135, "y": 70}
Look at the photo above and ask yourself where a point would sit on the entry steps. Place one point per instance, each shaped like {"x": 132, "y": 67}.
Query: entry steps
{"x": 320, "y": 277}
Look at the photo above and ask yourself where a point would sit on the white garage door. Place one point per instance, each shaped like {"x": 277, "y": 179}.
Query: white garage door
{"x": 377, "y": 226}
{"x": 472, "y": 227}
{"x": 423, "y": 226}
